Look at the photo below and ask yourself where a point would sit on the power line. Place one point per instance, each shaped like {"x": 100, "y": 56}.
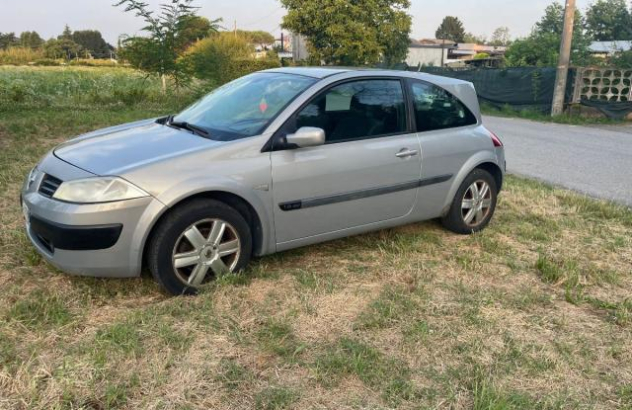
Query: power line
{"x": 261, "y": 18}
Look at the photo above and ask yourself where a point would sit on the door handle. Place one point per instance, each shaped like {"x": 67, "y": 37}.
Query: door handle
{"x": 406, "y": 153}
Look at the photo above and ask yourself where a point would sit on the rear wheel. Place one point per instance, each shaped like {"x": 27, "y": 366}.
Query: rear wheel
{"x": 197, "y": 242}
{"x": 473, "y": 205}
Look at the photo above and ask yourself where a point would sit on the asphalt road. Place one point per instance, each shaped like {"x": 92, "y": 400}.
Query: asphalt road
{"x": 594, "y": 160}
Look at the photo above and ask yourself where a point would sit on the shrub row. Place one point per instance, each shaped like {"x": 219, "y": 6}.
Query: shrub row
{"x": 223, "y": 58}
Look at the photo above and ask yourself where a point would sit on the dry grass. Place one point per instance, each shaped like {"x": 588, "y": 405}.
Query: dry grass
{"x": 535, "y": 312}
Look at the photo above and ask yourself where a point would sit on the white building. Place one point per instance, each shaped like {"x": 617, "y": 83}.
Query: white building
{"x": 609, "y": 48}
{"x": 429, "y": 52}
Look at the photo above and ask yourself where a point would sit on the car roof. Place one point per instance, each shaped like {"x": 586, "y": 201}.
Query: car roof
{"x": 314, "y": 72}
{"x": 325, "y": 72}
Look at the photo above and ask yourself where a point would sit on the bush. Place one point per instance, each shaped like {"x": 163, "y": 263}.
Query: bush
{"x": 20, "y": 56}
{"x": 47, "y": 62}
{"x": 92, "y": 62}
{"x": 223, "y": 58}
{"x": 242, "y": 67}
{"x": 622, "y": 59}
{"x": 481, "y": 56}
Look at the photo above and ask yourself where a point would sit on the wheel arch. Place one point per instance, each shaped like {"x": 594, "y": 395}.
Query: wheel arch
{"x": 495, "y": 171}
{"x": 237, "y": 202}
{"x": 484, "y": 161}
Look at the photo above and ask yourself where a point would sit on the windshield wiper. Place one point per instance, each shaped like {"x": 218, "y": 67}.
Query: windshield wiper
{"x": 188, "y": 126}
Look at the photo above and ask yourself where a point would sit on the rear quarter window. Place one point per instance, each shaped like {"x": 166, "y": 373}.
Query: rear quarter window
{"x": 437, "y": 109}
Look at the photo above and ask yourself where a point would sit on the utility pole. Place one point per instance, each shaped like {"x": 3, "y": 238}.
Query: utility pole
{"x": 565, "y": 58}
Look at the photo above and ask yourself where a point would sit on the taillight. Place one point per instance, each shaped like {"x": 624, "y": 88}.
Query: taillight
{"x": 497, "y": 142}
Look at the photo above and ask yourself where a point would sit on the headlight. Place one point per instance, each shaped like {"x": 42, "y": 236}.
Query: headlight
{"x": 97, "y": 190}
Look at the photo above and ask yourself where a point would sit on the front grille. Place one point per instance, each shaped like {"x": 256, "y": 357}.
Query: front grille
{"x": 49, "y": 185}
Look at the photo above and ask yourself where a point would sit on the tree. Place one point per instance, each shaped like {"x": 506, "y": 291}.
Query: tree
{"x": 158, "y": 53}
{"x": 196, "y": 28}
{"x": 451, "y": 28}
{"x": 61, "y": 48}
{"x": 7, "y": 40}
{"x": 501, "y": 37}
{"x": 542, "y": 47}
{"x": 393, "y": 31}
{"x": 66, "y": 34}
{"x": 258, "y": 37}
{"x": 92, "y": 42}
{"x": 476, "y": 39}
{"x": 30, "y": 39}
{"x": 542, "y": 50}
{"x": 351, "y": 32}
{"x": 609, "y": 20}
{"x": 622, "y": 59}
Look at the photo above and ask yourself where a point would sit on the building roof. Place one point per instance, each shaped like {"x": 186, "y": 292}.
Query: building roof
{"x": 610, "y": 46}
{"x": 432, "y": 43}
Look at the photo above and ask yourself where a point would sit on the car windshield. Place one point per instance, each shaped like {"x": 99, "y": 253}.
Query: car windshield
{"x": 244, "y": 107}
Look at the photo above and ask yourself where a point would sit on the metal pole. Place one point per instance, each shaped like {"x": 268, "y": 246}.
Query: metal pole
{"x": 564, "y": 61}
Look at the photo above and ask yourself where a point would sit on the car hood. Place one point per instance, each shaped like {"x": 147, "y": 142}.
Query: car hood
{"x": 115, "y": 150}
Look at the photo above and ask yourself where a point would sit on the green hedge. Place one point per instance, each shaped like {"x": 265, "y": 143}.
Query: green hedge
{"x": 227, "y": 70}
{"x": 94, "y": 62}
{"x": 223, "y": 58}
{"x": 240, "y": 68}
{"x": 48, "y": 62}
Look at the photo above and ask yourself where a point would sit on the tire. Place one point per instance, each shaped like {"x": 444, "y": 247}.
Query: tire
{"x": 456, "y": 220}
{"x": 191, "y": 244}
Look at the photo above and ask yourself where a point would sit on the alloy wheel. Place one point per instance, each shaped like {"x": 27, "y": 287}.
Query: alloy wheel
{"x": 477, "y": 203}
{"x": 210, "y": 246}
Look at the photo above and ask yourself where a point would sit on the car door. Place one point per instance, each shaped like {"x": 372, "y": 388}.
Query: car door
{"x": 366, "y": 172}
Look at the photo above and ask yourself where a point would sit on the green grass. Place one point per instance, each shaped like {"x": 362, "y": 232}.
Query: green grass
{"x": 40, "y": 310}
{"x": 388, "y": 375}
{"x": 233, "y": 375}
{"x": 83, "y": 88}
{"x": 276, "y": 336}
{"x": 392, "y": 306}
{"x": 534, "y": 312}
{"x": 275, "y": 398}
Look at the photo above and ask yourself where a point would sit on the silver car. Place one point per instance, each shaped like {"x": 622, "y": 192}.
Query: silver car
{"x": 272, "y": 161}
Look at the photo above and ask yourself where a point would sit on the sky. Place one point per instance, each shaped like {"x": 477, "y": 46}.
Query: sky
{"x": 48, "y": 17}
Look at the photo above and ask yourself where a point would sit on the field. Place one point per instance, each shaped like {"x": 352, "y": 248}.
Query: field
{"x": 535, "y": 312}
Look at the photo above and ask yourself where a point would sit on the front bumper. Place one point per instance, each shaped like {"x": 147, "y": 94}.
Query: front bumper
{"x": 103, "y": 240}
{"x": 74, "y": 237}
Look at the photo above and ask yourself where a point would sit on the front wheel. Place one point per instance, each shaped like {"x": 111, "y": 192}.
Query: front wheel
{"x": 473, "y": 205}
{"x": 197, "y": 242}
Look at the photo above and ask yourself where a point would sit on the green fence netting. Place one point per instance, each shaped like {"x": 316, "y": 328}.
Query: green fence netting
{"x": 519, "y": 88}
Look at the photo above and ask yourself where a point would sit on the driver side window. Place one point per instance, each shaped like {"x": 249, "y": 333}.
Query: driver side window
{"x": 357, "y": 110}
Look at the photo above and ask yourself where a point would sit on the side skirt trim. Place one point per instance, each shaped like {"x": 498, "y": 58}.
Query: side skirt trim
{"x": 367, "y": 193}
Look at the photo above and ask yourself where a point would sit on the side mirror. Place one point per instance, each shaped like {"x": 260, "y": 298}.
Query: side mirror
{"x": 307, "y": 137}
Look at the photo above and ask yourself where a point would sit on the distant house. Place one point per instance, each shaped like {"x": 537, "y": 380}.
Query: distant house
{"x": 429, "y": 52}
{"x": 604, "y": 49}
{"x": 432, "y": 52}
{"x": 467, "y": 51}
